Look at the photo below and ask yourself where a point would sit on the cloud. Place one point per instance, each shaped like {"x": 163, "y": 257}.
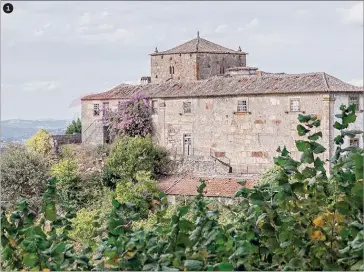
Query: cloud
{"x": 39, "y": 86}
{"x": 221, "y": 29}
{"x": 253, "y": 23}
{"x": 356, "y": 82}
{"x": 352, "y": 15}
{"x": 300, "y": 13}
{"x": 41, "y": 31}
{"x": 271, "y": 39}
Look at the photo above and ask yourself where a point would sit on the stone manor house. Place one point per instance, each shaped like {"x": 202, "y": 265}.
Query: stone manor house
{"x": 212, "y": 110}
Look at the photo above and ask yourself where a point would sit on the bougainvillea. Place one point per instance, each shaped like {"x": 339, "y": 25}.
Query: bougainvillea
{"x": 132, "y": 117}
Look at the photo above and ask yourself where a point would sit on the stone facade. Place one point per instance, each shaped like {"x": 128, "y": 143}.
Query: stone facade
{"x": 220, "y": 137}
{"x": 199, "y": 116}
{"x": 193, "y": 66}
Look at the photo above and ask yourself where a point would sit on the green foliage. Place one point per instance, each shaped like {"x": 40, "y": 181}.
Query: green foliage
{"x": 41, "y": 142}
{"x": 297, "y": 220}
{"x": 140, "y": 192}
{"x": 29, "y": 245}
{"x": 130, "y": 155}
{"x": 74, "y": 127}
{"x": 23, "y": 175}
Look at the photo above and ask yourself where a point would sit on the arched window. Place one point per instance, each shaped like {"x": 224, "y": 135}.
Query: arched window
{"x": 172, "y": 69}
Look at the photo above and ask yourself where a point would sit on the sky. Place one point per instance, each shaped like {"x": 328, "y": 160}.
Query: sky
{"x": 53, "y": 53}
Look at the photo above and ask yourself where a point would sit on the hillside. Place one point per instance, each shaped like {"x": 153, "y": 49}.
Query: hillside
{"x": 17, "y": 130}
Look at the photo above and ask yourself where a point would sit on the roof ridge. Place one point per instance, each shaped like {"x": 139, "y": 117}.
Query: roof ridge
{"x": 325, "y": 80}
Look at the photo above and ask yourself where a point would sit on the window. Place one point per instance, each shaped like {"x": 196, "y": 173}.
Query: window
{"x": 294, "y": 104}
{"x": 96, "y": 109}
{"x": 242, "y": 106}
{"x": 171, "y": 70}
{"x": 105, "y": 108}
{"x": 186, "y": 107}
{"x": 354, "y": 99}
{"x": 155, "y": 107}
{"x": 156, "y": 76}
{"x": 354, "y": 142}
{"x": 187, "y": 144}
{"x": 161, "y": 57}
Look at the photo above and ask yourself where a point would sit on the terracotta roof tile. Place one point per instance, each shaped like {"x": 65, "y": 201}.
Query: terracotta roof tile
{"x": 215, "y": 187}
{"x": 204, "y": 46}
{"x": 266, "y": 83}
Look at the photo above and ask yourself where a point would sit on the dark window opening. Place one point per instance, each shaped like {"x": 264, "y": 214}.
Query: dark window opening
{"x": 156, "y": 76}
{"x": 96, "y": 109}
{"x": 354, "y": 142}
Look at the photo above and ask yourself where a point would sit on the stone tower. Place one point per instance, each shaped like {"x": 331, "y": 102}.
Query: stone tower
{"x": 194, "y": 60}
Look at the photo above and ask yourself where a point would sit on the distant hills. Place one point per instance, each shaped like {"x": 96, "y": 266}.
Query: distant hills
{"x": 17, "y": 130}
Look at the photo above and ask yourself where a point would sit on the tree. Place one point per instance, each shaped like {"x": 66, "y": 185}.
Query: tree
{"x": 41, "y": 142}
{"x": 132, "y": 118}
{"x": 23, "y": 175}
{"x": 74, "y": 127}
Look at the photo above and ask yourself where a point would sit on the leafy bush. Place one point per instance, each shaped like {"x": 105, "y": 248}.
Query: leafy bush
{"x": 29, "y": 245}
{"x": 74, "y": 127}
{"x": 23, "y": 175}
{"x": 41, "y": 142}
{"x": 75, "y": 190}
{"x": 140, "y": 192}
{"x": 130, "y": 155}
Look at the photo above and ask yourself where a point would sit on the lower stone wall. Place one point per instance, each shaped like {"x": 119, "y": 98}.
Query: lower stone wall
{"x": 199, "y": 165}
{"x": 67, "y": 139}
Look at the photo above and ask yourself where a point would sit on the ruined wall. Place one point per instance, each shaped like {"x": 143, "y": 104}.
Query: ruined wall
{"x": 68, "y": 139}
{"x": 215, "y": 64}
{"x": 248, "y": 141}
{"x": 184, "y": 67}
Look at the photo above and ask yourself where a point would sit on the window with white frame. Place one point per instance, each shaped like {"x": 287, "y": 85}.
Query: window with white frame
{"x": 354, "y": 142}
{"x": 187, "y": 107}
{"x": 96, "y": 109}
{"x": 242, "y": 106}
{"x": 154, "y": 107}
{"x": 354, "y": 99}
{"x": 294, "y": 104}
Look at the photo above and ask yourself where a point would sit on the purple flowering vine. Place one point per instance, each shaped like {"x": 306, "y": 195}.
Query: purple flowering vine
{"x": 132, "y": 118}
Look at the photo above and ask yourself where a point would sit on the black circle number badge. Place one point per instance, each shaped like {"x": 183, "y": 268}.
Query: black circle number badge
{"x": 8, "y": 8}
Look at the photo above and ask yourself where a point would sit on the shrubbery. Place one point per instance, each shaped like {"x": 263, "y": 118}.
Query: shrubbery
{"x": 299, "y": 220}
{"x": 23, "y": 175}
{"x": 131, "y": 155}
{"x": 41, "y": 142}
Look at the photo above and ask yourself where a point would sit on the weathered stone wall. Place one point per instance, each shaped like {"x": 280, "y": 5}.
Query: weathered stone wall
{"x": 67, "y": 139}
{"x": 247, "y": 140}
{"x": 184, "y": 67}
{"x": 189, "y": 67}
{"x": 215, "y": 64}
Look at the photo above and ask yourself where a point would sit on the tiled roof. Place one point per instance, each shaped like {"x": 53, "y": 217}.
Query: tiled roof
{"x": 266, "y": 83}
{"x": 215, "y": 187}
{"x": 199, "y": 45}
